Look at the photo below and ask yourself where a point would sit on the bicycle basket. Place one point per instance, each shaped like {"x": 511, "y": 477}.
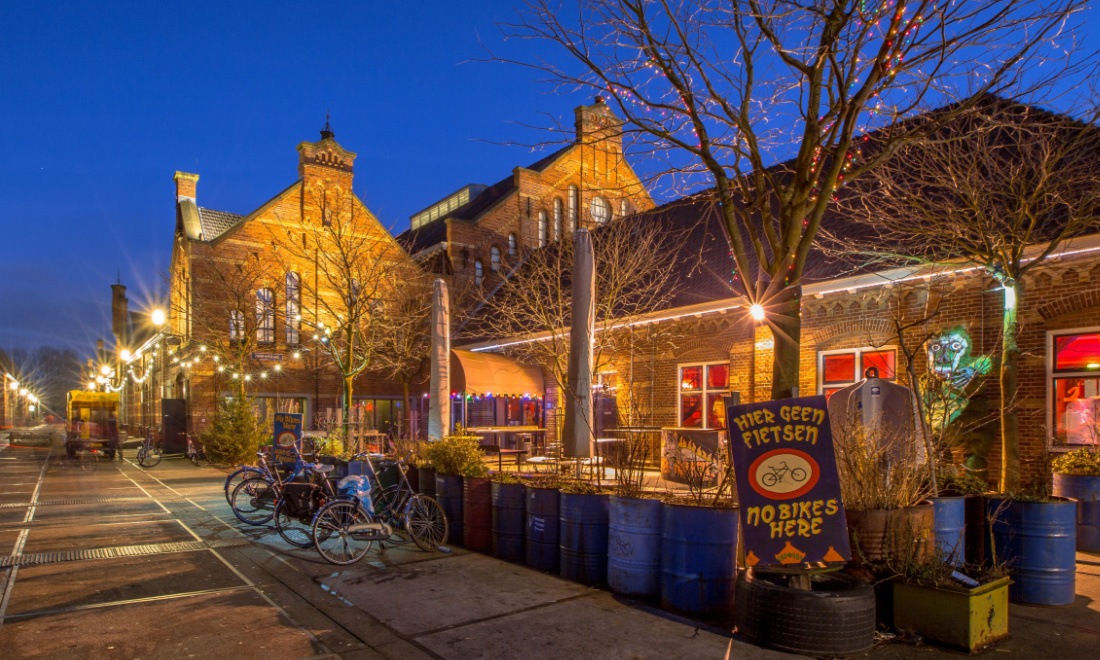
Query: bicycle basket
{"x": 301, "y": 500}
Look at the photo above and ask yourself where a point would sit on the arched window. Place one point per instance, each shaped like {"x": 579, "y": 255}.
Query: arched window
{"x": 574, "y": 204}
{"x": 265, "y": 316}
{"x": 293, "y": 307}
{"x": 600, "y": 210}
{"x": 479, "y": 272}
{"x": 542, "y": 228}
{"x": 512, "y": 245}
{"x": 557, "y": 219}
{"x": 494, "y": 259}
{"x": 623, "y": 208}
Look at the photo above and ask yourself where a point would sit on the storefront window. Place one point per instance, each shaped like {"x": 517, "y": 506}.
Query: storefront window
{"x": 702, "y": 391}
{"x": 837, "y": 369}
{"x": 1076, "y": 388}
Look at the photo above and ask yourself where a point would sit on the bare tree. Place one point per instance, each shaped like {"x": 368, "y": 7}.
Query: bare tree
{"x": 348, "y": 268}
{"x": 634, "y": 266}
{"x": 407, "y": 340}
{"x": 717, "y": 93}
{"x": 1003, "y": 191}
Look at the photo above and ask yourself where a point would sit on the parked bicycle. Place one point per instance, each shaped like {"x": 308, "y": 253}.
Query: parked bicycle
{"x": 261, "y": 471}
{"x": 195, "y": 450}
{"x": 149, "y": 453}
{"x": 344, "y": 529}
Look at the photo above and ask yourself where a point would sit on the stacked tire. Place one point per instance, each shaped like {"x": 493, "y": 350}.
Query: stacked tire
{"x": 835, "y": 618}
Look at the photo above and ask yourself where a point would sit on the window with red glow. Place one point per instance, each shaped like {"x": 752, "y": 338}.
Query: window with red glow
{"x": 881, "y": 360}
{"x": 1077, "y": 352}
{"x": 691, "y": 413}
{"x": 716, "y": 411}
{"x": 718, "y": 377}
{"x": 839, "y": 367}
{"x": 838, "y": 370}
{"x": 703, "y": 389}
{"x": 691, "y": 378}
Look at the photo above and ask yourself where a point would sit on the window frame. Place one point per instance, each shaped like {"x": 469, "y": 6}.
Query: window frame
{"x": 858, "y": 351}
{"x": 479, "y": 272}
{"x": 265, "y": 316}
{"x": 602, "y": 203}
{"x": 293, "y": 308}
{"x": 495, "y": 258}
{"x": 703, "y": 391}
{"x": 558, "y": 211}
{"x": 513, "y": 244}
{"x": 572, "y": 207}
{"x": 543, "y": 228}
{"x": 1054, "y": 444}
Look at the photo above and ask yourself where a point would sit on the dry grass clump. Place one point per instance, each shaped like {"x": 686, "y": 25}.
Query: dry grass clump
{"x": 878, "y": 470}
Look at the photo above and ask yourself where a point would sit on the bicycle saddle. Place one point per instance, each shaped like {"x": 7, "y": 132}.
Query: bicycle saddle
{"x": 321, "y": 467}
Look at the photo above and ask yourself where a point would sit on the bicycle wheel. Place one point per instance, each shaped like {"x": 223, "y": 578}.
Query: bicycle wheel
{"x": 388, "y": 507}
{"x": 234, "y": 479}
{"x": 334, "y": 539}
{"x": 253, "y": 501}
{"x": 149, "y": 457}
{"x": 426, "y": 522}
{"x": 291, "y": 528}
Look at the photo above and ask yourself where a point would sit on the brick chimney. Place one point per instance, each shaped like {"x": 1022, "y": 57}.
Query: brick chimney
{"x": 120, "y": 315}
{"x": 596, "y": 123}
{"x": 185, "y": 186}
{"x": 326, "y": 160}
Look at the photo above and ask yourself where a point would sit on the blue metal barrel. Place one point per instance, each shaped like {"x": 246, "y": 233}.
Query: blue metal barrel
{"x": 508, "y": 520}
{"x": 448, "y": 492}
{"x": 427, "y": 481}
{"x": 1086, "y": 490}
{"x": 949, "y": 524}
{"x": 698, "y": 559}
{"x": 584, "y": 537}
{"x": 1038, "y": 541}
{"x": 634, "y": 546}
{"x": 542, "y": 529}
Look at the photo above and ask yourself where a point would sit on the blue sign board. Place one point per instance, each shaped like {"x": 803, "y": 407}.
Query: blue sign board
{"x": 787, "y": 482}
{"x": 287, "y": 444}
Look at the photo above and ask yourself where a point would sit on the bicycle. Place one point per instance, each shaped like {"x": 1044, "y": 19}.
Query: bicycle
{"x": 149, "y": 454}
{"x": 344, "y": 530}
{"x": 778, "y": 473}
{"x": 195, "y": 450}
{"x": 260, "y": 471}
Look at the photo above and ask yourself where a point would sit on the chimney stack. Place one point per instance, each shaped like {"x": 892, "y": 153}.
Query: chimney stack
{"x": 120, "y": 315}
{"x": 185, "y": 186}
{"x": 597, "y": 123}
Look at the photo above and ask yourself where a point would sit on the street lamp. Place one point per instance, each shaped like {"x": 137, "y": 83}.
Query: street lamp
{"x": 158, "y": 317}
{"x": 756, "y": 311}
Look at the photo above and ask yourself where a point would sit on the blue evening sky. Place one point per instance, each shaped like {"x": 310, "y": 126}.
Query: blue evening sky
{"x": 100, "y": 104}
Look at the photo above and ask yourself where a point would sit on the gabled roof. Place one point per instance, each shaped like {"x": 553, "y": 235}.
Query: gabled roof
{"x": 215, "y": 223}
{"x": 435, "y": 232}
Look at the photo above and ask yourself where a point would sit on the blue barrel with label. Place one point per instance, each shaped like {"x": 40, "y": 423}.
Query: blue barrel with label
{"x": 949, "y": 525}
{"x": 1086, "y": 490}
{"x": 1038, "y": 541}
{"x": 698, "y": 558}
{"x": 508, "y": 520}
{"x": 634, "y": 546}
{"x": 542, "y": 529}
{"x": 448, "y": 493}
{"x": 584, "y": 537}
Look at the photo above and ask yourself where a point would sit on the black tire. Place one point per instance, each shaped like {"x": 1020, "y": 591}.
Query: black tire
{"x": 253, "y": 501}
{"x": 149, "y": 457}
{"x": 835, "y": 618}
{"x": 332, "y": 537}
{"x": 233, "y": 480}
{"x": 426, "y": 523}
{"x": 293, "y": 530}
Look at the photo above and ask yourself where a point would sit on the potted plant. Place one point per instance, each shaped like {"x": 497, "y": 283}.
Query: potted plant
{"x": 330, "y": 451}
{"x": 583, "y": 535}
{"x": 509, "y": 497}
{"x": 1036, "y": 536}
{"x": 1077, "y": 476}
{"x": 959, "y": 515}
{"x": 451, "y": 457}
{"x": 634, "y": 525}
{"x": 699, "y": 534}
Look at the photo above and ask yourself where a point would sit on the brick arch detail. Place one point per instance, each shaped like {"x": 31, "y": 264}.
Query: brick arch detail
{"x": 703, "y": 348}
{"x": 1067, "y": 304}
{"x": 873, "y": 328}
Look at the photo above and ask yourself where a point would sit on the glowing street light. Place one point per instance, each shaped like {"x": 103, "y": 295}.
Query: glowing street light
{"x": 125, "y": 355}
{"x": 756, "y": 311}
{"x": 158, "y": 317}
{"x": 23, "y": 392}
{"x": 104, "y": 370}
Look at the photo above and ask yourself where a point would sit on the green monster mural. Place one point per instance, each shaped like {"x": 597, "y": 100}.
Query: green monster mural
{"x": 954, "y": 378}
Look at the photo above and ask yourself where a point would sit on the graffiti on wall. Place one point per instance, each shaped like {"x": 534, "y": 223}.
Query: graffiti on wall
{"x": 954, "y": 376}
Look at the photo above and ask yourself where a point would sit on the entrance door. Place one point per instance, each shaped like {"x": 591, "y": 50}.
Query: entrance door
{"x": 174, "y": 416}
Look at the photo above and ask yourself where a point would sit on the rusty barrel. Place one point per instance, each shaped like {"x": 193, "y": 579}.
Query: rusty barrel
{"x": 477, "y": 514}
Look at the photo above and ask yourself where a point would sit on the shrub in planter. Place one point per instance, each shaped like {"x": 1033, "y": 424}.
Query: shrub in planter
{"x": 583, "y": 535}
{"x": 452, "y": 457}
{"x": 1077, "y": 476}
{"x": 509, "y": 496}
{"x": 1036, "y": 538}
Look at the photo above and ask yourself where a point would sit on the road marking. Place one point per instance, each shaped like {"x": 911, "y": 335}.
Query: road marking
{"x": 9, "y": 582}
{"x": 142, "y": 489}
{"x": 115, "y": 603}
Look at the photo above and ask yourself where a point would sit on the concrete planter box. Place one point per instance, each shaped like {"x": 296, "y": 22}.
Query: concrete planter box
{"x": 969, "y": 619}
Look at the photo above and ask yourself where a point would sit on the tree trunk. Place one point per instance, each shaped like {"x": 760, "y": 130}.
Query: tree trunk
{"x": 348, "y": 378}
{"x": 1010, "y": 418}
{"x": 407, "y": 427}
{"x": 784, "y": 317}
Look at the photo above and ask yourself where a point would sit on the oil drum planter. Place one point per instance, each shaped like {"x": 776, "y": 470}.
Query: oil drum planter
{"x": 452, "y": 457}
{"x": 509, "y": 497}
{"x": 949, "y": 526}
{"x": 876, "y": 534}
{"x": 1077, "y": 476}
{"x": 542, "y": 531}
{"x": 969, "y": 618}
{"x": 698, "y": 558}
{"x": 477, "y": 513}
{"x": 1037, "y": 540}
{"x": 426, "y": 480}
{"x": 634, "y": 546}
{"x": 448, "y": 489}
{"x": 583, "y": 541}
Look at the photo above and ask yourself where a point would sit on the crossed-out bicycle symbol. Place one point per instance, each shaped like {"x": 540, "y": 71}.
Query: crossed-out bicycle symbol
{"x": 781, "y": 471}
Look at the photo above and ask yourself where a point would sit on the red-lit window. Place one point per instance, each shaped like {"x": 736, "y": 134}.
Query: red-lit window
{"x": 703, "y": 389}
{"x": 1076, "y": 388}
{"x": 838, "y": 369}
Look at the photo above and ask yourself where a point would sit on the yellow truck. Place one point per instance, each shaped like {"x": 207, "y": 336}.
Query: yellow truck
{"x": 92, "y": 422}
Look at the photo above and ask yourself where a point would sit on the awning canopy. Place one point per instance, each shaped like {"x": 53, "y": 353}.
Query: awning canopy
{"x": 489, "y": 373}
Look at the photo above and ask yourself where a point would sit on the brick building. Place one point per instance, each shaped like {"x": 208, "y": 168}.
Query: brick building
{"x": 244, "y": 306}
{"x": 473, "y": 232}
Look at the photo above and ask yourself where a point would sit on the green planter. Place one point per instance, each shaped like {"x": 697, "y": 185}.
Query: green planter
{"x": 969, "y": 619}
